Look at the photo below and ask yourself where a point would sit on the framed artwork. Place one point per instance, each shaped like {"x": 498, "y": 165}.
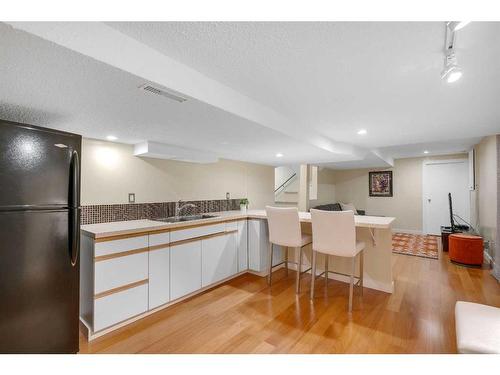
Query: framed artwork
{"x": 380, "y": 184}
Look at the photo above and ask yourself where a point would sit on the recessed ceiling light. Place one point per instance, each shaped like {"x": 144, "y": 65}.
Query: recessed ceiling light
{"x": 279, "y": 155}
{"x": 362, "y": 131}
{"x": 426, "y": 152}
{"x": 111, "y": 138}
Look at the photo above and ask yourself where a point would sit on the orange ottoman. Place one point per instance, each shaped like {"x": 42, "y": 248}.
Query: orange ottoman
{"x": 466, "y": 249}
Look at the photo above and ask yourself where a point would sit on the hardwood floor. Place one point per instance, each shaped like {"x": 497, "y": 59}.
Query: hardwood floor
{"x": 246, "y": 316}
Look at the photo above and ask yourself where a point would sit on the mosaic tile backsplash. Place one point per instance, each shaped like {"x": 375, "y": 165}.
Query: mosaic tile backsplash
{"x": 104, "y": 213}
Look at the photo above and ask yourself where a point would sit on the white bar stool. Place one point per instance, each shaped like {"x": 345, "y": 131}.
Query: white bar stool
{"x": 284, "y": 231}
{"x": 334, "y": 233}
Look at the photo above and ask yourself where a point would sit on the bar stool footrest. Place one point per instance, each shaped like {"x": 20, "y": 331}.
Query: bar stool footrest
{"x": 340, "y": 273}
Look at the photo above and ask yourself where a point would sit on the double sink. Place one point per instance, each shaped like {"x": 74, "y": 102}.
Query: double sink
{"x": 178, "y": 219}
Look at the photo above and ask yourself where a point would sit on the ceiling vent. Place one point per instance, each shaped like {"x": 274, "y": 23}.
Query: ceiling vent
{"x": 163, "y": 92}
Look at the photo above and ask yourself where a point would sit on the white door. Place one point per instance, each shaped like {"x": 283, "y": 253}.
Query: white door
{"x": 440, "y": 178}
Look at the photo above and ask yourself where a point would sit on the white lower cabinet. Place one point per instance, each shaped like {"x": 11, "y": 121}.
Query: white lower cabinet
{"x": 117, "y": 307}
{"x": 258, "y": 246}
{"x": 185, "y": 269}
{"x": 123, "y": 278}
{"x": 159, "y": 277}
{"x": 242, "y": 239}
{"x": 219, "y": 258}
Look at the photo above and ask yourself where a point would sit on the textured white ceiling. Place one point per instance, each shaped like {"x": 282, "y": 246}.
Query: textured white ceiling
{"x": 48, "y": 85}
{"x": 329, "y": 79}
{"x": 338, "y": 77}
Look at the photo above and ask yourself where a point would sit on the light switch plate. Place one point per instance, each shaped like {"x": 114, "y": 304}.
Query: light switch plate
{"x": 131, "y": 197}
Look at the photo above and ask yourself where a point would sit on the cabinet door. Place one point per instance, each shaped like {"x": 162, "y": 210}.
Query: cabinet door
{"x": 242, "y": 245}
{"x": 159, "y": 277}
{"x": 254, "y": 245}
{"x": 219, "y": 258}
{"x": 258, "y": 247}
{"x": 185, "y": 269}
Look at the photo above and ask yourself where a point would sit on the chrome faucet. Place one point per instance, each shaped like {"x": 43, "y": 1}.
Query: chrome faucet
{"x": 181, "y": 206}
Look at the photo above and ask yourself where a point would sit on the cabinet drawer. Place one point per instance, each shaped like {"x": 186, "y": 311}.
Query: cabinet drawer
{"x": 184, "y": 234}
{"x": 117, "y": 307}
{"x": 116, "y": 272}
{"x": 159, "y": 239}
{"x": 231, "y": 225}
{"x": 118, "y": 246}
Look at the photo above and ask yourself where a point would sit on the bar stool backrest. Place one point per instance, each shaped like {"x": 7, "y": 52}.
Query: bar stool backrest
{"x": 284, "y": 226}
{"x": 334, "y": 232}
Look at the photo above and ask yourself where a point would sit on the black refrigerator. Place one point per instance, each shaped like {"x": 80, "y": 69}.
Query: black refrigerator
{"x": 39, "y": 239}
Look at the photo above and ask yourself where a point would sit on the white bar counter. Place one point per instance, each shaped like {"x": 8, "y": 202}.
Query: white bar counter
{"x": 375, "y": 232}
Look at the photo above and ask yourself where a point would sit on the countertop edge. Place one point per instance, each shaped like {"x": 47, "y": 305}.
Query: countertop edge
{"x": 178, "y": 226}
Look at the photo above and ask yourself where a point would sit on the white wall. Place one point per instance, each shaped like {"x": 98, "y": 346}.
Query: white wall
{"x": 486, "y": 185}
{"x": 326, "y": 187}
{"x": 110, "y": 172}
{"x": 351, "y": 186}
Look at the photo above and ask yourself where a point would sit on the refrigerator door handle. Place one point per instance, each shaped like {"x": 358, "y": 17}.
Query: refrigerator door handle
{"x": 74, "y": 235}
{"x": 75, "y": 209}
{"x": 74, "y": 200}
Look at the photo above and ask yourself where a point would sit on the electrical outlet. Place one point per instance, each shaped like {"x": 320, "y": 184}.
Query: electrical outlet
{"x": 228, "y": 196}
{"x": 131, "y": 197}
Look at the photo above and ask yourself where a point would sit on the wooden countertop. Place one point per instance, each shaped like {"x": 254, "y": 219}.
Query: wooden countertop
{"x": 146, "y": 226}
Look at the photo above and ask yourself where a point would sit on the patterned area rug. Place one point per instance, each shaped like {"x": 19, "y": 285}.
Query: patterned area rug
{"x": 415, "y": 244}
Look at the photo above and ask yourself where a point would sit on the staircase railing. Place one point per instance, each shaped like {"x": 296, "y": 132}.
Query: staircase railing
{"x": 283, "y": 185}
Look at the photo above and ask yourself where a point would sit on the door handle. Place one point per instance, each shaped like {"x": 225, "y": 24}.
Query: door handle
{"x": 429, "y": 200}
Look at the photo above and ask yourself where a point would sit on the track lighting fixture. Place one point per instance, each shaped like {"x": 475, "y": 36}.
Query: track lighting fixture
{"x": 452, "y": 72}
{"x": 457, "y": 25}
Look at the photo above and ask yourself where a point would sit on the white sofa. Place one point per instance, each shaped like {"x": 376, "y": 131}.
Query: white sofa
{"x": 477, "y": 327}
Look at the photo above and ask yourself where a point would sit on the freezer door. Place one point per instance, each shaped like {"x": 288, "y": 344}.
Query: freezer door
{"x": 39, "y": 283}
{"x": 35, "y": 166}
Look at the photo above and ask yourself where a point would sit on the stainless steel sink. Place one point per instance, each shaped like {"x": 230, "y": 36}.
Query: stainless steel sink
{"x": 177, "y": 219}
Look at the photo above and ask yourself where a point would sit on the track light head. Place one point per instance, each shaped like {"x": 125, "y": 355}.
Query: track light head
{"x": 451, "y": 71}
{"x": 457, "y": 25}
{"x": 452, "y": 74}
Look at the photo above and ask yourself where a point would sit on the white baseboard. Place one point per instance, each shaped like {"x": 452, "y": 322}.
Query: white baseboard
{"x": 495, "y": 271}
{"x": 409, "y": 231}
